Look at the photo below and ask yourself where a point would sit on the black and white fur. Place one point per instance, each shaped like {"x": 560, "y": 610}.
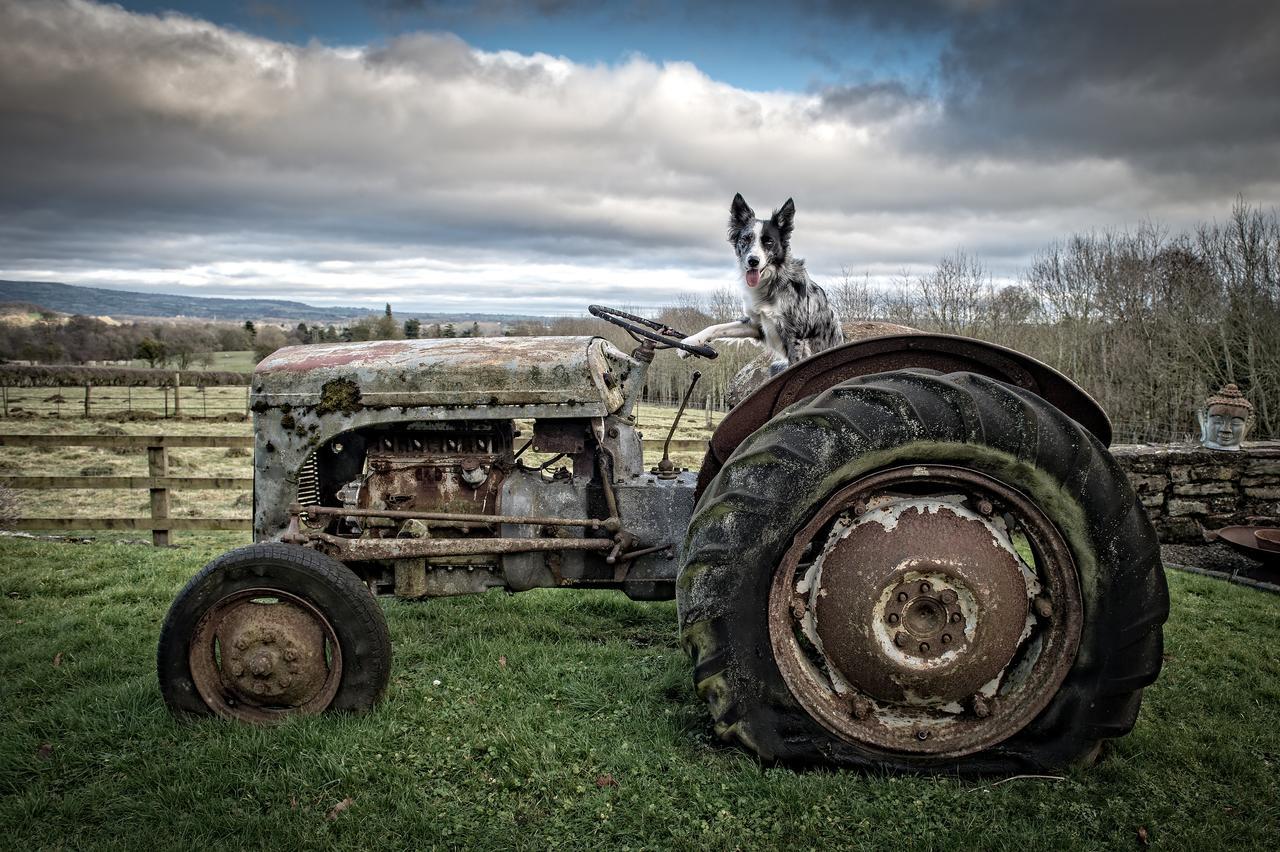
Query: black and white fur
{"x": 785, "y": 309}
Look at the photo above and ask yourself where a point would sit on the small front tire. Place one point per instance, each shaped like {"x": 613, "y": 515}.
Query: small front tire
{"x": 269, "y": 631}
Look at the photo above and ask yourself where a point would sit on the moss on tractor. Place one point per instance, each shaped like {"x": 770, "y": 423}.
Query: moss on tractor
{"x": 339, "y": 396}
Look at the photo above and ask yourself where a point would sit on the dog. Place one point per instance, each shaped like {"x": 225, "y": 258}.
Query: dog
{"x": 785, "y": 309}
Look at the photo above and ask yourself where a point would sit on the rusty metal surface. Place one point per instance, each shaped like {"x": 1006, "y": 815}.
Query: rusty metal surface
{"x": 1261, "y": 543}
{"x": 431, "y": 482}
{"x": 454, "y": 519}
{"x": 560, "y": 436}
{"x": 416, "y": 578}
{"x": 259, "y": 655}
{"x": 892, "y": 564}
{"x": 344, "y": 377}
{"x": 945, "y": 604}
{"x": 310, "y": 398}
{"x": 357, "y": 549}
{"x": 940, "y": 352}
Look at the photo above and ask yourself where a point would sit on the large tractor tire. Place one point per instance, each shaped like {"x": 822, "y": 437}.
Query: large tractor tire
{"x": 922, "y": 572}
{"x": 273, "y": 630}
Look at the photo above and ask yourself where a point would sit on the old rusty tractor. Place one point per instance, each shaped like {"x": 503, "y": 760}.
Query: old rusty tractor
{"x": 910, "y": 552}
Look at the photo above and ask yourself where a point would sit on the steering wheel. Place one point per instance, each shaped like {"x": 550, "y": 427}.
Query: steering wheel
{"x": 642, "y": 329}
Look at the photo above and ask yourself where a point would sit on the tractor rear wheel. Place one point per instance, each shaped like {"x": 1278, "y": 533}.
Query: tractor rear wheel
{"x": 922, "y": 572}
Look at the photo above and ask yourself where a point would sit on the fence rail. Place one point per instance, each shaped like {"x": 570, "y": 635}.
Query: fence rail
{"x": 157, "y": 482}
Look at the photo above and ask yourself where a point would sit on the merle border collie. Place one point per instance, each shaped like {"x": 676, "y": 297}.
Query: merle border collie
{"x": 786, "y": 310}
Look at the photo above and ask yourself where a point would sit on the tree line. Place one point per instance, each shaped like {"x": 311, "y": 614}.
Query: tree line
{"x": 1148, "y": 321}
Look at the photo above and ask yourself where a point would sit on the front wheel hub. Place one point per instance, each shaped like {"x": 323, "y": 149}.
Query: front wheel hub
{"x": 905, "y": 614}
{"x": 261, "y": 654}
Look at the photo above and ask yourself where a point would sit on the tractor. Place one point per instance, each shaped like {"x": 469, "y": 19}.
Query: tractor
{"x": 909, "y": 553}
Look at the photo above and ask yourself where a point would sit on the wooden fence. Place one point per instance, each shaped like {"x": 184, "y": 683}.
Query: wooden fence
{"x": 160, "y": 483}
{"x": 27, "y": 389}
{"x": 157, "y": 481}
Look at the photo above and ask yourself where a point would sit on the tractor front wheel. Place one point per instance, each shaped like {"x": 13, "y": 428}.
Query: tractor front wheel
{"x": 273, "y": 630}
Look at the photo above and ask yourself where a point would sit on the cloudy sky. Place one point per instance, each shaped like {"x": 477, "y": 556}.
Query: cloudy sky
{"x": 530, "y": 157}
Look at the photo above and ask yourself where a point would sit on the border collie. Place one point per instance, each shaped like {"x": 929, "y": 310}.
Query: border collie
{"x": 785, "y": 308}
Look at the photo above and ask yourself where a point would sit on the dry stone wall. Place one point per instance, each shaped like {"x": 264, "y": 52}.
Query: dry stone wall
{"x": 1186, "y": 487}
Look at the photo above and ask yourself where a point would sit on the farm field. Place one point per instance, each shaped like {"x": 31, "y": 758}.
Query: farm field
{"x": 235, "y": 361}
{"x": 555, "y": 719}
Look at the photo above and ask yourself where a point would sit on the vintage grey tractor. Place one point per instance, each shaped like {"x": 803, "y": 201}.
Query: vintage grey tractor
{"x": 911, "y": 552}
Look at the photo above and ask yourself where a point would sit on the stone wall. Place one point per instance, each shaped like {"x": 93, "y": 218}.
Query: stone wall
{"x": 1186, "y": 487}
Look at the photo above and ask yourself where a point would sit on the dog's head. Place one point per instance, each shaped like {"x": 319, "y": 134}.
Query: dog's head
{"x": 762, "y": 245}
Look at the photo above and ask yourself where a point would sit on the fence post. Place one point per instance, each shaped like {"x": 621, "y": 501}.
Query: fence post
{"x": 4, "y": 392}
{"x": 86, "y": 398}
{"x": 706, "y": 406}
{"x": 158, "y": 465}
{"x": 246, "y": 400}
{"x": 177, "y": 394}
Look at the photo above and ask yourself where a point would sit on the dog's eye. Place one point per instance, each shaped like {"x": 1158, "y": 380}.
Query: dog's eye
{"x": 767, "y": 243}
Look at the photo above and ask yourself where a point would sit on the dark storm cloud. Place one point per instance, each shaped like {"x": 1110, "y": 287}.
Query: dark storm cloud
{"x": 869, "y": 102}
{"x": 1172, "y": 88}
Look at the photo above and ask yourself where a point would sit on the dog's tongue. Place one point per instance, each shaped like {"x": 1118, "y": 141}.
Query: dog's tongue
{"x": 753, "y": 277}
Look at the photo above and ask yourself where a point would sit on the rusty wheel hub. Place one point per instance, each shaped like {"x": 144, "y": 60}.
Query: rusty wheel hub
{"x": 261, "y": 654}
{"x": 905, "y": 617}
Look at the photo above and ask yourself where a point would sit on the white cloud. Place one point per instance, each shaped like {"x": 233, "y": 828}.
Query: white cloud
{"x": 163, "y": 152}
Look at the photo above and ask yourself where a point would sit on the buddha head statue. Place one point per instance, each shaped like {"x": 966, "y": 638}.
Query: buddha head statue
{"x": 1225, "y": 419}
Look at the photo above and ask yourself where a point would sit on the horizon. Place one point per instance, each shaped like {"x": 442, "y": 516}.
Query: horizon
{"x": 529, "y": 158}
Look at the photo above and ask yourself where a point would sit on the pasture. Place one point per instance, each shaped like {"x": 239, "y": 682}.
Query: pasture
{"x": 557, "y": 719}
{"x": 549, "y": 719}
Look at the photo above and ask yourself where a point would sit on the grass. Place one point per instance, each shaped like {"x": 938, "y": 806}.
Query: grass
{"x": 562, "y": 719}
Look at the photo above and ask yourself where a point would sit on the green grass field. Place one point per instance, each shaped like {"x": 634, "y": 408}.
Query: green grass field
{"x": 562, "y": 720}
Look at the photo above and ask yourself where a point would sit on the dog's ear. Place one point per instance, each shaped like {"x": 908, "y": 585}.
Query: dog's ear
{"x": 785, "y": 218}
{"x": 741, "y": 216}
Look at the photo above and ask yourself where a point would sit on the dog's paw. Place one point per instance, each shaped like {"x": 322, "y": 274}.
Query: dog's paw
{"x": 692, "y": 340}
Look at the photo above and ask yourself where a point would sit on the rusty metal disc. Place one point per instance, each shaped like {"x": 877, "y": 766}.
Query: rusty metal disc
{"x": 929, "y": 610}
{"x": 258, "y": 655}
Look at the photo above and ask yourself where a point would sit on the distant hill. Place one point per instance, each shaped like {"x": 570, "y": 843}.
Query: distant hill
{"x": 96, "y": 301}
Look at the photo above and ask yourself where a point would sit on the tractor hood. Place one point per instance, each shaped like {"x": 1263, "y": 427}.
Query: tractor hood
{"x": 559, "y": 376}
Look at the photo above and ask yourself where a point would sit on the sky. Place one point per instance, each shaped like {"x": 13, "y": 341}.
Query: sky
{"x": 502, "y": 156}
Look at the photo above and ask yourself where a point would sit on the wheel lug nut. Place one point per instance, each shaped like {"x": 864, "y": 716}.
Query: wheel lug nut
{"x": 946, "y": 638}
{"x": 861, "y": 707}
{"x": 894, "y": 618}
{"x": 981, "y": 708}
{"x": 859, "y": 508}
{"x": 947, "y": 597}
{"x": 955, "y": 617}
{"x": 902, "y": 597}
{"x": 926, "y": 587}
{"x": 985, "y": 507}
{"x": 900, "y": 639}
{"x": 924, "y": 647}
{"x": 1043, "y": 607}
{"x": 922, "y": 735}
{"x": 797, "y": 610}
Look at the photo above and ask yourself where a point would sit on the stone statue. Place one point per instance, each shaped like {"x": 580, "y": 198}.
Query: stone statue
{"x": 1226, "y": 417}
